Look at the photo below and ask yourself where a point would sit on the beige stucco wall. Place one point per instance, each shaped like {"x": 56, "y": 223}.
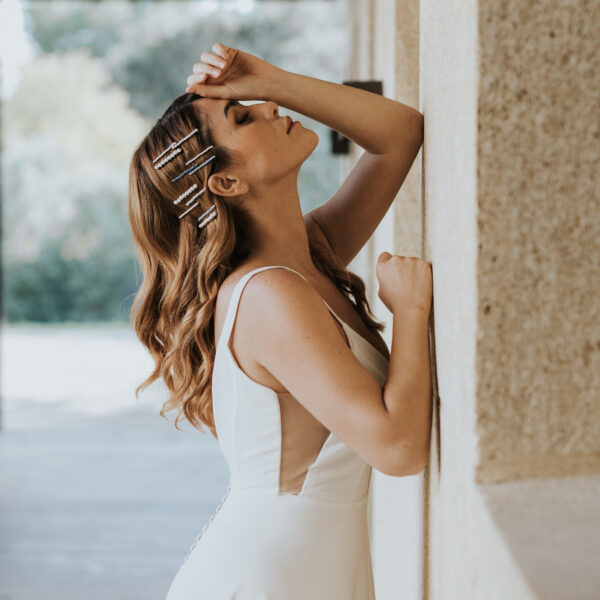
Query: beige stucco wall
{"x": 538, "y": 356}
{"x": 510, "y": 219}
{"x": 448, "y": 59}
{"x": 538, "y": 266}
{"x": 505, "y": 206}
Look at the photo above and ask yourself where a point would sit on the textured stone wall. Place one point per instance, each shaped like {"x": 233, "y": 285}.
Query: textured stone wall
{"x": 506, "y": 207}
{"x": 538, "y": 273}
{"x": 511, "y": 95}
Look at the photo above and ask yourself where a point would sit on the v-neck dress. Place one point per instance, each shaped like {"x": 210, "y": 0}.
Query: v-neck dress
{"x": 265, "y": 544}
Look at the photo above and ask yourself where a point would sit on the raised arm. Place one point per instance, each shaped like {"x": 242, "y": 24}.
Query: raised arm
{"x": 391, "y": 134}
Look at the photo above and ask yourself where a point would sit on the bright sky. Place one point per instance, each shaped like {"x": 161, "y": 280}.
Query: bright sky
{"x": 15, "y": 47}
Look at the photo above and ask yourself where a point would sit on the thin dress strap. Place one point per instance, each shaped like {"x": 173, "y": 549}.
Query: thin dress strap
{"x": 235, "y": 299}
{"x": 326, "y": 304}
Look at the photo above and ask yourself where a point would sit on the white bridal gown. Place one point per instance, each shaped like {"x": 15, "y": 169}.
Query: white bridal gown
{"x": 265, "y": 544}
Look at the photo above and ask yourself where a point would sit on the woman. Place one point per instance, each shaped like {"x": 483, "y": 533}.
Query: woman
{"x": 292, "y": 377}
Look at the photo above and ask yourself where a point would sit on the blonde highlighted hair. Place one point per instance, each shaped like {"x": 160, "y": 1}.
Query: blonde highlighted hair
{"x": 183, "y": 266}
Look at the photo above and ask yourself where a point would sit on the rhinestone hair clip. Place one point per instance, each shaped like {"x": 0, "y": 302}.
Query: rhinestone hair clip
{"x": 176, "y": 150}
{"x": 209, "y": 214}
{"x": 194, "y": 167}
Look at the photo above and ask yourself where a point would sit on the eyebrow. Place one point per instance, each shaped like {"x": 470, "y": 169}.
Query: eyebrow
{"x": 228, "y": 106}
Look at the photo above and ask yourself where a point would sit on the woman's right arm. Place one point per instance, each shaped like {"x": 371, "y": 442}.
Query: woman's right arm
{"x": 407, "y": 390}
{"x": 295, "y": 337}
{"x": 406, "y": 288}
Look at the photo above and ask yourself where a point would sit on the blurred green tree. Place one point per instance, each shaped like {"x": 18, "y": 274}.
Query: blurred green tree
{"x": 105, "y": 72}
{"x": 67, "y": 248}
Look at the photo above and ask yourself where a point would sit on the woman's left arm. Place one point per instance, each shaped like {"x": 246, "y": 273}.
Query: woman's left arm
{"x": 376, "y": 123}
{"x": 391, "y": 134}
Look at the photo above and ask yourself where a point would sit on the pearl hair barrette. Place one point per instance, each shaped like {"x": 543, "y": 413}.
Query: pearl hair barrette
{"x": 201, "y": 220}
{"x": 174, "y": 150}
{"x": 173, "y": 146}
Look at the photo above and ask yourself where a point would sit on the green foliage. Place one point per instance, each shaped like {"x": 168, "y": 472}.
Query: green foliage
{"x": 70, "y": 280}
{"x": 53, "y": 288}
{"x": 56, "y": 29}
{"x": 106, "y": 71}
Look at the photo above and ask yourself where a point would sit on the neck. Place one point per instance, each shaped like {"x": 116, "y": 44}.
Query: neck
{"x": 278, "y": 233}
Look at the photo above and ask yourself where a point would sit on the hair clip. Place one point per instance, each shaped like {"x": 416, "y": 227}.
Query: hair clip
{"x": 175, "y": 145}
{"x": 191, "y": 200}
{"x": 185, "y": 194}
{"x": 209, "y": 214}
{"x": 167, "y": 158}
{"x": 198, "y": 155}
{"x": 209, "y": 218}
{"x": 193, "y": 168}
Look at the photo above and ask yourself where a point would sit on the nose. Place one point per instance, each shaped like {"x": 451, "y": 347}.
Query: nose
{"x": 271, "y": 109}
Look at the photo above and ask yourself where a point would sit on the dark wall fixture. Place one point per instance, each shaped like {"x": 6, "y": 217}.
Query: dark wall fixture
{"x": 339, "y": 143}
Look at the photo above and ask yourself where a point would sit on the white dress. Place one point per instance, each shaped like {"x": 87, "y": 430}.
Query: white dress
{"x": 264, "y": 544}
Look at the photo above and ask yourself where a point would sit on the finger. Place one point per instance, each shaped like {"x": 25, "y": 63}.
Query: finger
{"x": 212, "y": 59}
{"x": 221, "y": 49}
{"x": 200, "y": 68}
{"x": 209, "y": 91}
{"x": 206, "y": 71}
{"x": 200, "y": 78}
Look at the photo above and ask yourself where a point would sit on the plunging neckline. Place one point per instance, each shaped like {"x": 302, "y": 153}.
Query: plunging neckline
{"x": 352, "y": 330}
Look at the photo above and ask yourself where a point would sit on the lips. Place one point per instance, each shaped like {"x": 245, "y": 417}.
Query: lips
{"x": 290, "y": 123}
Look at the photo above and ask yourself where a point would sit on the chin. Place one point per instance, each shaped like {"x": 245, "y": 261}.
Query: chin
{"x": 310, "y": 150}
{"x": 315, "y": 134}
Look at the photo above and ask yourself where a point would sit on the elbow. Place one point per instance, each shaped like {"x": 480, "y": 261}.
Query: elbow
{"x": 420, "y": 134}
{"x": 408, "y": 461}
{"x": 420, "y": 463}
{"x": 420, "y": 454}
{"x": 419, "y": 127}
{"x": 406, "y": 449}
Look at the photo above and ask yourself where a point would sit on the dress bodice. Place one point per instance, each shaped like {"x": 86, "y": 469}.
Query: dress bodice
{"x": 248, "y": 423}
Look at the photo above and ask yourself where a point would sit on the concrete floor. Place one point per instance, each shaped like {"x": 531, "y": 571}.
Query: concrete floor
{"x": 100, "y": 497}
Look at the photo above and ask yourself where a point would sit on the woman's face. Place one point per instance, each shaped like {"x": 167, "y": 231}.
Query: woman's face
{"x": 264, "y": 149}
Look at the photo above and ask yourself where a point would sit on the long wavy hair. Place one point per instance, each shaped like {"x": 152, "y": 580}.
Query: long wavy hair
{"x": 183, "y": 266}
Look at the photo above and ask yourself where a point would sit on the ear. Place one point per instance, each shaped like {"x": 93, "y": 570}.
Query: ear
{"x": 226, "y": 185}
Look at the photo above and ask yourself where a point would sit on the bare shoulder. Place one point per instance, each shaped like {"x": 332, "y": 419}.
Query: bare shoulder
{"x": 278, "y": 295}
{"x": 282, "y": 295}
{"x": 259, "y": 291}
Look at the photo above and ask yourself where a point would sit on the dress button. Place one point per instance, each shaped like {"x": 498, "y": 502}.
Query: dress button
{"x": 199, "y": 536}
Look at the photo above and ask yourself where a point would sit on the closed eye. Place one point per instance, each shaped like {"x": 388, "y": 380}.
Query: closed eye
{"x": 245, "y": 118}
